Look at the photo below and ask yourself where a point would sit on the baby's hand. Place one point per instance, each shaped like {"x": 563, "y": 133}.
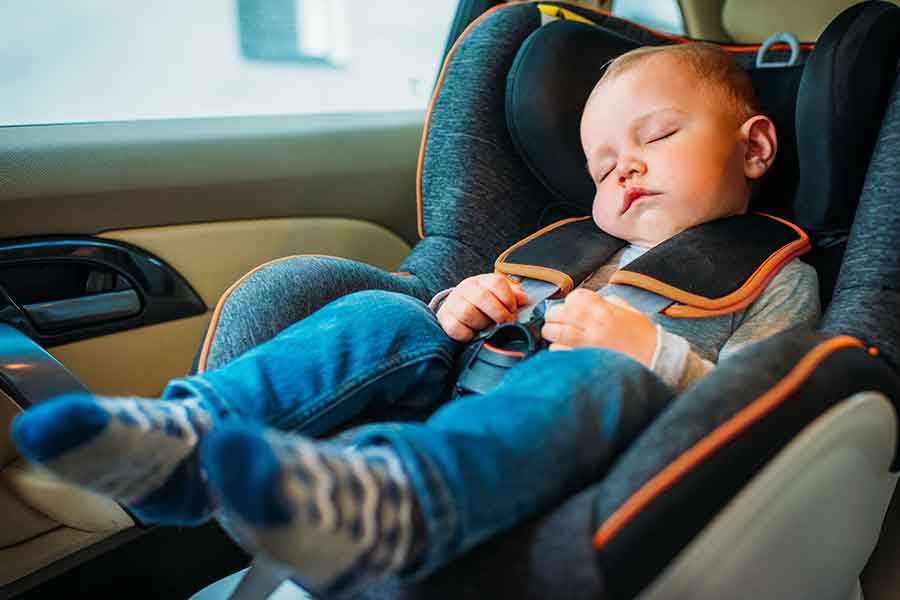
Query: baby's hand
{"x": 587, "y": 319}
{"x": 478, "y": 302}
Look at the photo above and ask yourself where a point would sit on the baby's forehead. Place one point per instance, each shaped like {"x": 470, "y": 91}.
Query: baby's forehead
{"x": 669, "y": 80}
{"x": 663, "y": 68}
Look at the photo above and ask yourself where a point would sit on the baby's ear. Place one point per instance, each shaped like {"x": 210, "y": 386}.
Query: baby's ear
{"x": 761, "y": 143}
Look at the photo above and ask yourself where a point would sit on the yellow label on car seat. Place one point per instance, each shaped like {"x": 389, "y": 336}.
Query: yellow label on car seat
{"x": 558, "y": 12}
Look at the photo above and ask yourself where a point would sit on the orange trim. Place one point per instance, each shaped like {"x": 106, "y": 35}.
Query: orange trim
{"x": 691, "y": 312}
{"x": 402, "y": 273}
{"x": 558, "y": 278}
{"x": 504, "y": 352}
{"x": 440, "y": 81}
{"x": 701, "y": 306}
{"x": 214, "y": 320}
{"x": 873, "y": 351}
{"x": 437, "y": 88}
{"x": 718, "y": 438}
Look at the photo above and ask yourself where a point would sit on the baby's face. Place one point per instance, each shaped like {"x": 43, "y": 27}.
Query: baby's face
{"x": 664, "y": 153}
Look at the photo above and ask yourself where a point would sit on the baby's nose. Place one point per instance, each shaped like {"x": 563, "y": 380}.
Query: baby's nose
{"x": 631, "y": 168}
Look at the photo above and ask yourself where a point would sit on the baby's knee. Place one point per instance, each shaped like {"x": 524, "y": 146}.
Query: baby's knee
{"x": 384, "y": 302}
{"x": 382, "y": 309}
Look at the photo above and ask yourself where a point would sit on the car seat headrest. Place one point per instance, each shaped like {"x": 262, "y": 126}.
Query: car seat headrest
{"x": 848, "y": 75}
{"x": 548, "y": 84}
{"x": 842, "y": 98}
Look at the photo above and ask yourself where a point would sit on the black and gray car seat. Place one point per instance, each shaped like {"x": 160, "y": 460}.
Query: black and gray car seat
{"x": 770, "y": 477}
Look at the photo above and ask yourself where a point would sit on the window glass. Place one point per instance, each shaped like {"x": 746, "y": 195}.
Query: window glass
{"x": 662, "y": 15}
{"x": 69, "y": 61}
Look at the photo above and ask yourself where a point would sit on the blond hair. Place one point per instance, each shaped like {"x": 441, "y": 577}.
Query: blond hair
{"x": 715, "y": 69}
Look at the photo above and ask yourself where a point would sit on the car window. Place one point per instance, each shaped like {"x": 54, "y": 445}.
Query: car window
{"x": 67, "y": 61}
{"x": 662, "y": 15}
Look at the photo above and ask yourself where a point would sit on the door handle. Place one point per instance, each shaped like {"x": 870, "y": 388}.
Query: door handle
{"x": 85, "y": 310}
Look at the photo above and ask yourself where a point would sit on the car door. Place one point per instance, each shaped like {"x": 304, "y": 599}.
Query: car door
{"x": 152, "y": 153}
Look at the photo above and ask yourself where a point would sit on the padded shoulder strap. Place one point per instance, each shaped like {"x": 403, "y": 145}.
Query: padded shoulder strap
{"x": 564, "y": 253}
{"x": 718, "y": 267}
{"x": 712, "y": 269}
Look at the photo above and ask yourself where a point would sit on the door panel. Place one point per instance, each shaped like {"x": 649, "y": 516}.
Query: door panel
{"x": 137, "y": 362}
{"x": 94, "y": 177}
{"x": 196, "y": 251}
{"x": 210, "y": 198}
{"x": 142, "y": 360}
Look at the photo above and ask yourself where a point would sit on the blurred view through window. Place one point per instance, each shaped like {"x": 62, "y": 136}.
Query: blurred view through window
{"x": 662, "y": 15}
{"x": 66, "y": 61}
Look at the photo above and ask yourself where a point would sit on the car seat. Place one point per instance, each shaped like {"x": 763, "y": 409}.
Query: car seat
{"x": 771, "y": 476}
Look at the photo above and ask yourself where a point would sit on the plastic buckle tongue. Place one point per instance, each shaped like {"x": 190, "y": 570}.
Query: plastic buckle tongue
{"x": 537, "y": 292}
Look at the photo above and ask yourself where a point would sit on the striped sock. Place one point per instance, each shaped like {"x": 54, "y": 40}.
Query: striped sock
{"x": 139, "y": 452}
{"x": 337, "y": 516}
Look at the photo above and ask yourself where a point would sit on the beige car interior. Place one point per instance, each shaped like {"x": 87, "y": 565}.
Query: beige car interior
{"x": 217, "y": 199}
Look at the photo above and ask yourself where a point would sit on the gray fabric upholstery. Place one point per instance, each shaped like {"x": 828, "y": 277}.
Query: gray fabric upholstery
{"x": 866, "y": 301}
{"x": 477, "y": 196}
{"x": 283, "y": 292}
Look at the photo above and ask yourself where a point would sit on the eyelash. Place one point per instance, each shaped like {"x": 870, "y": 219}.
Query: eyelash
{"x": 662, "y": 137}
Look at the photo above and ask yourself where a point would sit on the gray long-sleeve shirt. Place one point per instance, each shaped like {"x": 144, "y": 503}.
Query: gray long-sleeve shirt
{"x": 688, "y": 349}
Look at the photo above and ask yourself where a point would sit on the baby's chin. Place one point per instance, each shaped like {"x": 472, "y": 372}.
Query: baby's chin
{"x": 641, "y": 228}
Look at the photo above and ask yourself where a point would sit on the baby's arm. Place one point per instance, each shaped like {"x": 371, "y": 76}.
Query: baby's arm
{"x": 790, "y": 299}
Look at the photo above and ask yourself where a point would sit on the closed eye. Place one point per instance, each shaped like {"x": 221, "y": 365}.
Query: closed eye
{"x": 664, "y": 136}
{"x": 602, "y": 177}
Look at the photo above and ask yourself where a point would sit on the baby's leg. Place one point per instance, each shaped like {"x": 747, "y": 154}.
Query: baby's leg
{"x": 315, "y": 375}
{"x": 478, "y": 466}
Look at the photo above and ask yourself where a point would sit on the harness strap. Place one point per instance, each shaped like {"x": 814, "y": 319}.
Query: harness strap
{"x": 712, "y": 269}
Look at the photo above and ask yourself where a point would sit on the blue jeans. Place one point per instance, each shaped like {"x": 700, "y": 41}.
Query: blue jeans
{"x": 479, "y": 464}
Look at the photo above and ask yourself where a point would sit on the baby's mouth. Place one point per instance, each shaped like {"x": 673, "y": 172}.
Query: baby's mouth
{"x": 633, "y": 194}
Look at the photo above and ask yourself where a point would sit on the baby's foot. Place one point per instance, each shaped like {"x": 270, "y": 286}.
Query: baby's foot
{"x": 140, "y": 452}
{"x": 336, "y": 516}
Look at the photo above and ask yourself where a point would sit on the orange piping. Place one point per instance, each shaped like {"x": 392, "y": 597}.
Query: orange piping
{"x": 214, "y": 320}
{"x": 688, "y": 312}
{"x": 554, "y": 276}
{"x": 437, "y": 88}
{"x": 718, "y": 438}
{"x": 537, "y": 233}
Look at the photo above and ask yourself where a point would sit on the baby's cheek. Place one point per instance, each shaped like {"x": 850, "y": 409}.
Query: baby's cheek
{"x": 602, "y": 211}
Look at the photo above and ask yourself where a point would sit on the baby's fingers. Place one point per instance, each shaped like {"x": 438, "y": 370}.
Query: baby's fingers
{"x": 560, "y": 333}
{"x": 454, "y": 328}
{"x": 486, "y": 301}
{"x": 521, "y": 296}
{"x": 502, "y": 289}
{"x": 464, "y": 312}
